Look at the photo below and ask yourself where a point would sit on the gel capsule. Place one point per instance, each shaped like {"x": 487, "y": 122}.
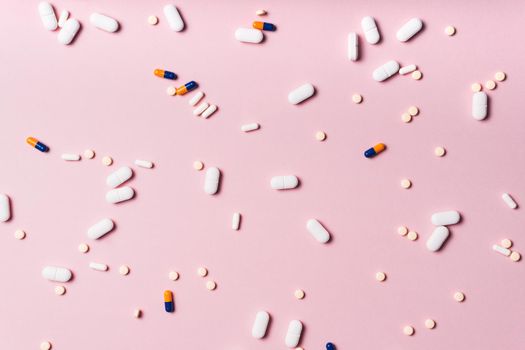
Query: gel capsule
{"x": 374, "y": 151}
{"x": 37, "y": 144}
{"x": 264, "y": 26}
{"x": 169, "y": 306}
{"x": 186, "y": 88}
{"x": 165, "y": 74}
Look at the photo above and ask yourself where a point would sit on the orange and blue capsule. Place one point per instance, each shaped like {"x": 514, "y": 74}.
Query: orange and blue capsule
{"x": 186, "y": 88}
{"x": 374, "y": 151}
{"x": 169, "y": 305}
{"x": 264, "y": 26}
{"x": 165, "y": 74}
{"x": 37, "y": 144}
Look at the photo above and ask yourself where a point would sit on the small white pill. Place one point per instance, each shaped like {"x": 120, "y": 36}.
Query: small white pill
{"x": 153, "y": 20}
{"x": 211, "y": 285}
{"x": 119, "y": 176}
{"x": 406, "y": 183}
{"x": 413, "y": 111}
{"x": 380, "y": 276}
{"x": 83, "y": 248}
{"x": 209, "y": 111}
{"x": 370, "y": 29}
{"x": 174, "y": 18}
{"x": 385, "y": 71}
{"x": 406, "y": 117}
{"x": 430, "y": 323}
{"x": 479, "y": 105}
{"x": 320, "y": 136}
{"x": 407, "y": 69}
{"x": 501, "y": 250}
{"x": 101, "y": 228}
{"x": 408, "y": 330}
{"x": 445, "y": 218}
{"x": 490, "y": 84}
{"x": 60, "y": 290}
{"x": 20, "y": 234}
{"x": 137, "y": 313}
{"x": 249, "y": 35}
{"x": 515, "y": 256}
{"x": 437, "y": 238}
{"x": 107, "y": 160}
{"x": 89, "y": 154}
{"x": 476, "y": 87}
{"x": 171, "y": 91}
{"x": 211, "y": 180}
{"x": 353, "y": 46}
{"x": 249, "y": 127}
{"x": 412, "y": 235}
{"x": 195, "y": 99}
{"x": 202, "y": 271}
{"x": 98, "y": 266}
{"x": 70, "y": 156}
{"x": 284, "y": 182}
{"x": 63, "y": 18}
{"x": 198, "y": 165}
{"x": 201, "y": 108}
{"x": 409, "y": 29}
{"x": 104, "y": 22}
{"x": 300, "y": 94}
{"x": 318, "y": 231}
{"x": 45, "y": 345}
{"x": 173, "y": 275}
{"x": 450, "y": 30}
{"x": 500, "y": 76}
{"x": 417, "y": 75}
{"x": 439, "y": 151}
{"x": 459, "y": 297}
{"x": 5, "y": 208}
{"x": 299, "y": 294}
{"x": 506, "y": 243}
{"x": 261, "y": 12}
{"x": 262, "y": 318}
{"x": 144, "y": 163}
{"x": 47, "y": 14}
{"x": 68, "y": 31}
{"x": 120, "y": 194}
{"x": 236, "y": 221}
{"x": 293, "y": 335}
{"x": 123, "y": 270}
{"x": 509, "y": 201}
{"x": 56, "y": 274}
{"x": 357, "y": 98}
{"x": 402, "y": 230}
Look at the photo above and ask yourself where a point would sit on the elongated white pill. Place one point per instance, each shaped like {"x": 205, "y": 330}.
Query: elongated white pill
{"x": 195, "y": 99}
{"x": 353, "y": 46}
{"x": 120, "y": 194}
{"x": 236, "y": 221}
{"x": 64, "y": 15}
{"x": 437, "y": 238}
{"x": 480, "y": 103}
{"x": 509, "y": 201}
{"x": 201, "y": 108}
{"x": 501, "y": 250}
{"x": 407, "y": 69}
{"x": 101, "y": 228}
{"x": 370, "y": 29}
{"x": 47, "y": 14}
{"x": 260, "y": 324}
{"x": 56, "y": 274}
{"x": 98, "y": 266}
{"x": 119, "y": 176}
{"x": 68, "y": 31}
{"x": 144, "y": 163}
{"x": 295, "y": 328}
{"x": 318, "y": 231}
{"x": 249, "y": 127}
{"x": 300, "y": 94}
{"x": 249, "y": 35}
{"x": 70, "y": 156}
{"x": 284, "y": 182}
{"x": 211, "y": 180}
{"x": 445, "y": 218}
{"x": 386, "y": 71}
{"x": 174, "y": 18}
{"x": 209, "y": 111}
{"x": 5, "y": 208}
{"x": 409, "y": 29}
{"x": 104, "y": 22}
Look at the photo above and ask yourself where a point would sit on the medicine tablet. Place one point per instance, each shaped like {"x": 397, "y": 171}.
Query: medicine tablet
{"x": 509, "y": 201}
{"x": 70, "y": 156}
{"x": 195, "y": 99}
{"x": 368, "y": 24}
{"x": 450, "y": 30}
{"x": 198, "y": 165}
{"x": 20, "y": 234}
{"x": 107, "y": 161}
{"x": 445, "y": 218}
{"x": 506, "y": 243}
{"x": 402, "y": 230}
{"x": 318, "y": 231}
{"x": 101, "y": 228}
{"x": 380, "y": 276}
{"x": 353, "y": 46}
{"x": 301, "y": 93}
{"x": 406, "y": 117}
{"x": 437, "y": 238}
{"x": 409, "y": 29}
{"x": 476, "y": 87}
{"x": 356, "y": 98}
{"x": 262, "y": 318}
{"x": 293, "y": 335}
{"x": 407, "y": 69}
{"x": 60, "y": 290}
{"x": 209, "y": 111}
{"x": 137, "y": 313}
{"x": 236, "y": 221}
{"x": 89, "y": 154}
{"x": 144, "y": 163}
{"x": 261, "y": 12}
{"x": 515, "y": 256}
{"x": 211, "y": 285}
{"x": 249, "y": 127}
{"x": 47, "y": 15}
{"x": 211, "y": 180}
{"x": 459, "y": 297}
{"x": 412, "y": 235}
{"x": 416, "y": 75}
{"x": 490, "y": 84}
{"x": 173, "y": 275}
{"x": 413, "y": 111}
{"x": 408, "y": 330}
{"x": 45, "y": 345}
{"x": 173, "y": 17}
{"x": 406, "y": 183}
{"x": 430, "y": 323}
{"x": 120, "y": 194}
{"x": 201, "y": 108}
{"x": 68, "y": 31}
{"x": 64, "y": 15}
{"x": 320, "y": 136}
{"x": 56, "y": 274}
{"x": 83, "y": 248}
{"x": 249, "y": 35}
{"x": 123, "y": 270}
{"x": 171, "y": 90}
{"x": 119, "y": 176}
{"x": 501, "y": 250}
{"x": 284, "y": 182}
{"x": 153, "y": 20}
{"x": 98, "y": 266}
{"x": 299, "y": 294}
{"x": 104, "y": 22}
{"x": 385, "y": 71}
{"x": 500, "y": 76}
{"x": 439, "y": 151}
{"x": 202, "y": 271}
{"x": 479, "y": 105}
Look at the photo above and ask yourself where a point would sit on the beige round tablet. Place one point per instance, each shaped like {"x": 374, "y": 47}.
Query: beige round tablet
{"x": 153, "y": 20}
{"x": 20, "y": 234}
{"x": 171, "y": 90}
{"x": 408, "y": 330}
{"x": 210, "y": 285}
{"x": 357, "y": 98}
{"x": 320, "y": 136}
{"x": 402, "y": 230}
{"x": 83, "y": 248}
{"x": 476, "y": 87}
{"x": 450, "y": 30}
{"x": 412, "y": 235}
{"x": 406, "y": 117}
{"x": 45, "y": 345}
{"x": 107, "y": 160}
{"x": 299, "y": 294}
{"x": 89, "y": 154}
{"x": 198, "y": 165}
{"x": 406, "y": 183}
{"x": 416, "y": 75}
{"x": 60, "y": 290}
{"x": 413, "y": 111}
{"x": 500, "y": 76}
{"x": 123, "y": 270}
{"x": 439, "y": 151}
{"x": 506, "y": 243}
{"x": 515, "y": 256}
{"x": 459, "y": 297}
{"x": 380, "y": 276}
{"x": 173, "y": 275}
{"x": 490, "y": 84}
{"x": 137, "y": 313}
{"x": 202, "y": 271}
{"x": 430, "y": 323}
{"x": 261, "y": 12}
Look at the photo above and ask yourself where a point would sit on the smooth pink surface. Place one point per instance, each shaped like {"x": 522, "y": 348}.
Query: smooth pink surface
{"x": 100, "y": 93}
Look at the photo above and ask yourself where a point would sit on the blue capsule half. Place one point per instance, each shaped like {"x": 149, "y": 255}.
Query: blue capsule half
{"x": 330, "y": 346}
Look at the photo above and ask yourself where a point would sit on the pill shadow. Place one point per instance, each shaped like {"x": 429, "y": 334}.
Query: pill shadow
{"x": 268, "y": 328}
{"x": 183, "y": 21}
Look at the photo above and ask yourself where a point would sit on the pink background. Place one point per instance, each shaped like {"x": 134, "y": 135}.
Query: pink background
{"x": 100, "y": 93}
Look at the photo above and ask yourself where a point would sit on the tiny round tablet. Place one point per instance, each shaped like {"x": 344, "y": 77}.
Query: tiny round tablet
{"x": 476, "y": 87}
{"x": 89, "y": 154}
{"x": 416, "y": 75}
{"x": 408, "y": 330}
{"x": 137, "y": 313}
{"x": 202, "y": 271}
{"x": 20, "y": 234}
{"x": 459, "y": 297}
{"x": 60, "y": 290}
{"x": 45, "y": 345}
{"x": 430, "y": 323}
{"x": 515, "y": 256}
{"x": 173, "y": 275}
{"x": 83, "y": 248}
{"x": 299, "y": 294}
{"x": 412, "y": 235}
{"x": 439, "y": 151}
{"x": 490, "y": 84}
{"x": 211, "y": 285}
{"x": 107, "y": 160}
{"x": 506, "y": 243}
{"x": 198, "y": 165}
{"x": 357, "y": 98}
{"x": 171, "y": 90}
{"x": 406, "y": 117}
{"x": 500, "y": 76}
{"x": 261, "y": 12}
{"x": 413, "y": 111}
{"x": 123, "y": 270}
{"x": 402, "y": 230}
{"x": 153, "y": 20}
{"x": 406, "y": 183}
{"x": 450, "y": 30}
{"x": 320, "y": 136}
{"x": 380, "y": 276}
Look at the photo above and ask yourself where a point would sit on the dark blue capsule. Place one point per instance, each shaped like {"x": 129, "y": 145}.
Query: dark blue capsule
{"x": 41, "y": 147}
{"x": 168, "y": 306}
{"x": 330, "y": 346}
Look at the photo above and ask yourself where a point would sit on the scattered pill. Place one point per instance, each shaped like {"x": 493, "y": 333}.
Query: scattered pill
{"x": 450, "y": 30}
{"x": 137, "y": 313}
{"x": 380, "y": 276}
{"x": 153, "y": 20}
{"x": 171, "y": 91}
{"x": 249, "y": 35}
{"x": 68, "y": 31}
{"x": 202, "y": 271}
{"x": 408, "y": 330}
{"x": 5, "y": 208}
{"x": 412, "y": 235}
{"x": 120, "y": 194}
{"x": 261, "y": 12}
{"x": 439, "y": 151}
{"x": 118, "y": 177}
{"x": 169, "y": 305}
{"x": 165, "y": 74}
{"x": 56, "y": 274}
{"x": 70, "y": 156}
{"x": 409, "y": 29}
{"x": 490, "y": 84}
{"x": 386, "y": 71}
{"x": 299, "y": 294}
{"x": 107, "y": 161}
{"x": 60, "y": 290}
{"x": 209, "y": 111}
{"x": 173, "y": 275}
{"x": 293, "y": 335}
{"x": 20, "y": 234}
{"x": 89, "y": 154}
{"x": 98, "y": 266}
{"x": 445, "y": 218}
{"x": 353, "y": 46}
{"x": 63, "y": 18}
{"x": 372, "y": 152}
{"x": 501, "y": 250}
{"x": 330, "y": 346}
{"x": 356, "y": 98}
{"x": 479, "y": 105}
{"x": 368, "y": 24}
{"x": 318, "y": 231}
{"x": 262, "y": 318}
{"x": 476, "y": 87}
{"x": 301, "y": 93}
{"x": 211, "y": 180}
{"x": 509, "y": 201}
{"x": 211, "y": 285}
{"x": 430, "y": 323}
{"x": 416, "y": 75}
{"x": 189, "y": 86}
{"x": 284, "y": 182}
{"x": 500, "y": 76}
{"x": 406, "y": 183}
{"x": 402, "y": 230}
{"x": 515, "y": 256}
{"x": 37, "y": 144}
{"x": 506, "y": 243}
{"x": 459, "y": 297}
{"x": 264, "y": 26}
{"x": 413, "y": 111}
{"x": 47, "y": 14}
{"x": 45, "y": 345}
{"x": 100, "y": 228}
{"x": 83, "y": 248}
{"x": 407, "y": 69}
{"x": 123, "y": 270}
{"x": 437, "y": 238}
{"x": 198, "y": 165}
{"x": 173, "y": 17}
{"x": 249, "y": 127}
{"x": 236, "y": 221}
{"x": 104, "y": 22}
{"x": 406, "y": 117}
{"x": 144, "y": 163}
{"x": 320, "y": 136}
{"x": 195, "y": 99}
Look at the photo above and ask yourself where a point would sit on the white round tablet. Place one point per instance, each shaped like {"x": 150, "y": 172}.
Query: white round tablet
{"x": 45, "y": 345}
{"x": 450, "y": 30}
{"x": 430, "y": 323}
{"x": 153, "y": 20}
{"x": 20, "y": 234}
{"x": 416, "y": 75}
{"x": 476, "y": 87}
{"x": 490, "y": 84}
{"x": 202, "y": 271}
{"x": 412, "y": 235}
{"x": 173, "y": 275}
{"x": 198, "y": 165}
{"x": 60, "y": 290}
{"x": 402, "y": 230}
{"x": 380, "y": 276}
{"x": 83, "y": 248}
{"x": 515, "y": 256}
{"x": 506, "y": 243}
{"x": 357, "y": 98}
{"x": 459, "y": 297}
{"x": 406, "y": 183}
{"x": 413, "y": 111}
{"x": 408, "y": 330}
{"x": 320, "y": 136}
{"x": 107, "y": 160}
{"x": 210, "y": 285}
{"x": 299, "y": 294}
{"x": 123, "y": 270}
{"x": 406, "y": 117}
{"x": 500, "y": 76}
{"x": 439, "y": 151}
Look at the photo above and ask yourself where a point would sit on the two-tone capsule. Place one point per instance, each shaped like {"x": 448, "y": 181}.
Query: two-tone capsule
{"x": 374, "y": 151}
{"x": 165, "y": 74}
{"x": 264, "y": 26}
{"x": 169, "y": 305}
{"x": 37, "y": 144}
{"x": 186, "y": 88}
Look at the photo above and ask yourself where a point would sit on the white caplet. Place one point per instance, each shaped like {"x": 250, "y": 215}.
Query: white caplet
{"x": 56, "y": 274}
{"x": 120, "y": 194}
{"x": 437, "y": 238}
{"x": 236, "y": 221}
{"x": 5, "y": 208}
{"x": 70, "y": 156}
{"x": 98, "y": 266}
{"x": 509, "y": 201}
{"x": 293, "y": 335}
{"x": 119, "y": 176}
{"x": 284, "y": 182}
{"x": 445, "y": 218}
{"x": 101, "y": 228}
{"x": 211, "y": 180}
{"x": 260, "y": 324}
{"x": 318, "y": 231}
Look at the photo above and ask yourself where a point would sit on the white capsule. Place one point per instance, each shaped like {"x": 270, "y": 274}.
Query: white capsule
{"x": 386, "y": 71}
{"x": 353, "y": 46}
{"x": 318, "y": 231}
{"x": 119, "y": 176}
{"x": 70, "y": 156}
{"x": 501, "y": 250}
{"x": 144, "y": 163}
{"x": 56, "y": 274}
{"x": 201, "y": 108}
{"x": 249, "y": 35}
{"x": 98, "y": 266}
{"x": 249, "y": 127}
{"x": 47, "y": 14}
{"x": 300, "y": 94}
{"x": 295, "y": 328}
{"x": 407, "y": 69}
{"x": 195, "y": 99}
{"x": 236, "y": 221}
{"x": 445, "y": 218}
{"x": 370, "y": 28}
{"x": 174, "y": 18}
{"x": 509, "y": 201}
{"x": 100, "y": 228}
{"x": 209, "y": 111}
{"x": 480, "y": 105}
{"x": 437, "y": 238}
{"x": 68, "y": 31}
{"x": 5, "y": 208}
{"x": 284, "y": 182}
{"x": 104, "y": 22}
{"x": 409, "y": 29}
{"x": 64, "y": 15}
{"x": 211, "y": 180}
{"x": 120, "y": 194}
{"x": 260, "y": 324}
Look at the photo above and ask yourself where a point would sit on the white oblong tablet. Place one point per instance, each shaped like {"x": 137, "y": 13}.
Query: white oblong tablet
{"x": 370, "y": 29}
{"x": 284, "y": 182}
{"x": 409, "y": 29}
{"x": 100, "y": 228}
{"x": 501, "y": 250}
{"x": 64, "y": 15}
{"x": 260, "y": 324}
{"x": 211, "y": 180}
{"x": 56, "y": 274}
{"x": 119, "y": 176}
{"x": 195, "y": 99}
{"x": 437, "y": 238}
{"x": 300, "y": 94}
{"x": 144, "y": 163}
{"x": 47, "y": 14}
{"x": 295, "y": 328}
{"x": 98, "y": 266}
{"x": 249, "y": 35}
{"x": 209, "y": 111}
{"x": 120, "y": 194}
{"x": 479, "y": 105}
{"x": 353, "y": 46}
{"x": 201, "y": 108}
{"x": 70, "y": 156}
{"x": 407, "y": 69}
{"x": 68, "y": 31}
{"x": 386, "y": 71}
{"x": 104, "y": 22}
{"x": 318, "y": 231}
{"x": 445, "y": 218}
{"x": 174, "y": 18}
{"x": 249, "y": 127}
{"x": 509, "y": 201}
{"x": 5, "y": 208}
{"x": 236, "y": 221}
